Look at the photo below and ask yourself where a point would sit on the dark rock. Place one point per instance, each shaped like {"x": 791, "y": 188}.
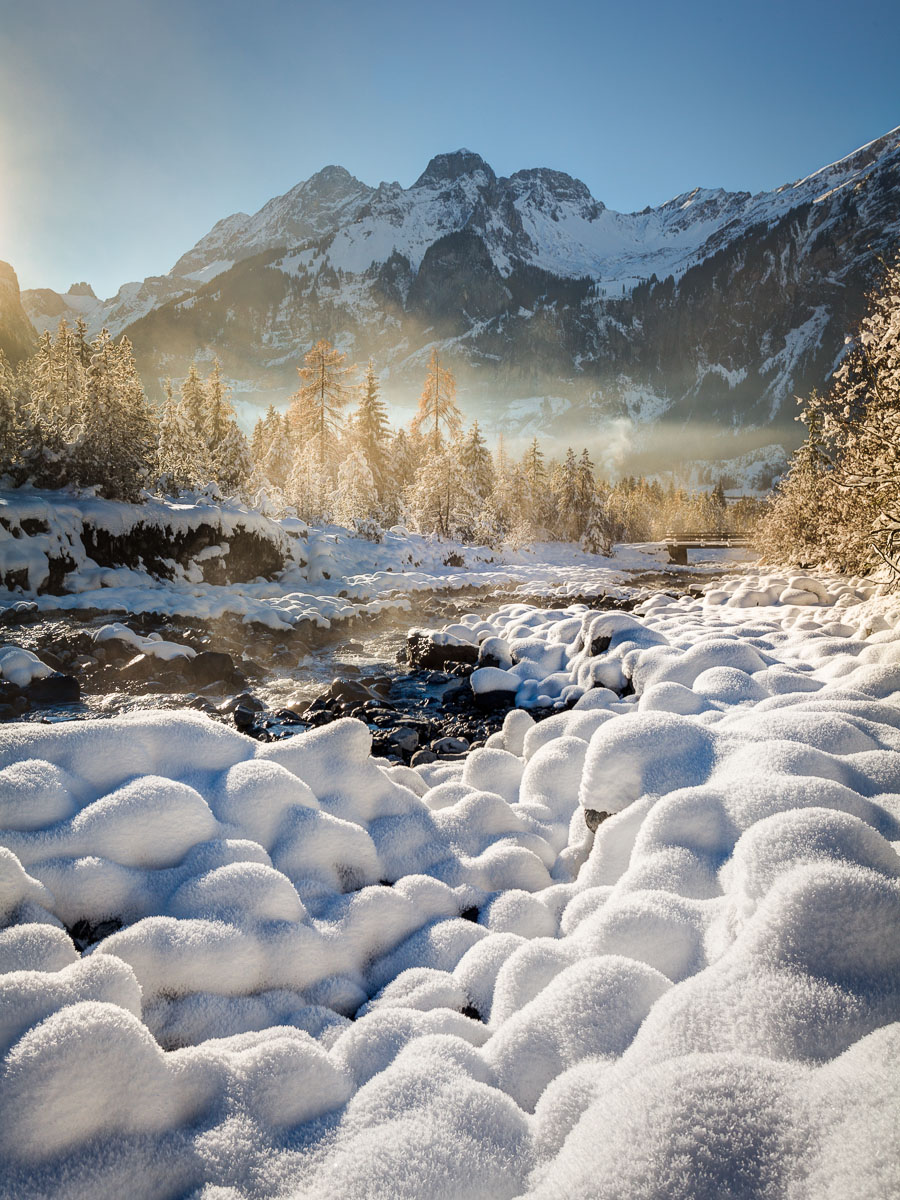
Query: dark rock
{"x": 245, "y": 700}
{"x": 210, "y": 666}
{"x": 421, "y": 757}
{"x": 86, "y": 933}
{"x": 349, "y": 689}
{"x": 594, "y": 819}
{"x": 450, "y": 745}
{"x": 381, "y": 684}
{"x": 600, "y": 645}
{"x": 243, "y": 716}
{"x": 471, "y": 1012}
{"x": 405, "y": 739}
{"x": 287, "y": 716}
{"x": 317, "y": 718}
{"x": 422, "y": 652}
{"x": 54, "y": 689}
{"x": 470, "y": 914}
{"x": 19, "y": 613}
{"x": 495, "y": 700}
{"x": 457, "y": 693}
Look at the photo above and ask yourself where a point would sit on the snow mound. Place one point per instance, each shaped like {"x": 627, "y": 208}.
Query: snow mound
{"x": 646, "y": 946}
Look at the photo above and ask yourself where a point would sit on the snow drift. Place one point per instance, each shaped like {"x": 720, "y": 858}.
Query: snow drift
{"x": 327, "y": 976}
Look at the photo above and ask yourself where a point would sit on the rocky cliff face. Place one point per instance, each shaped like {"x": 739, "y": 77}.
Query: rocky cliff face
{"x": 17, "y": 335}
{"x": 556, "y": 313}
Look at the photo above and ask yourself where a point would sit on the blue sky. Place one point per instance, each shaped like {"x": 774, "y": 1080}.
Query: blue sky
{"x": 128, "y": 127}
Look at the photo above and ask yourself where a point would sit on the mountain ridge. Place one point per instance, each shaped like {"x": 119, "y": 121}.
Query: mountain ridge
{"x": 715, "y": 306}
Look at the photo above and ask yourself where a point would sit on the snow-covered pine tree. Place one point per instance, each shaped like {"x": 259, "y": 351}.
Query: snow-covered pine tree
{"x": 400, "y": 472}
{"x": 438, "y": 493}
{"x": 70, "y": 372}
{"x": 117, "y": 443}
{"x": 598, "y": 535}
{"x": 316, "y": 407}
{"x": 529, "y": 522}
{"x": 193, "y": 403}
{"x": 371, "y": 428}
{"x": 82, "y": 343}
{"x": 566, "y": 518}
{"x": 585, "y": 489}
{"x": 234, "y": 462}
{"x": 219, "y": 413}
{"x": 355, "y": 500}
{"x": 438, "y": 414}
{"x": 44, "y": 386}
{"x": 848, "y": 474}
{"x": 476, "y": 462}
{"x": 138, "y": 425}
{"x": 278, "y": 458}
{"x": 9, "y": 417}
{"x": 308, "y": 487}
{"x": 172, "y": 467}
{"x": 193, "y": 420}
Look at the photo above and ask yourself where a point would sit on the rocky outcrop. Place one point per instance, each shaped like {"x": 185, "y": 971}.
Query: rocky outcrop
{"x": 17, "y": 335}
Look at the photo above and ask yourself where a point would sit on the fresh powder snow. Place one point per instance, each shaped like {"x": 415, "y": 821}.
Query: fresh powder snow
{"x": 645, "y": 947}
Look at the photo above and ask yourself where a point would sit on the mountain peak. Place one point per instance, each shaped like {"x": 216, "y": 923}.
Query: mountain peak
{"x": 445, "y": 168}
{"x": 329, "y": 179}
{"x": 81, "y": 289}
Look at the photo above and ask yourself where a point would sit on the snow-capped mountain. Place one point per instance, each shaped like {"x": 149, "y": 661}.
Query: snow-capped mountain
{"x": 555, "y": 311}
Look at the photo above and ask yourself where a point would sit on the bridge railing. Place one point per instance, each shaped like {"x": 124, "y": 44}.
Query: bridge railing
{"x": 703, "y": 536}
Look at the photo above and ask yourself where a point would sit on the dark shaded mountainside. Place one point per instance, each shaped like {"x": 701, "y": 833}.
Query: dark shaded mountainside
{"x": 17, "y": 335}
{"x": 709, "y": 313}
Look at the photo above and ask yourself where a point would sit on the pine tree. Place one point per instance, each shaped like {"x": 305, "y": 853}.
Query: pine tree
{"x": 9, "y": 417}
{"x": 193, "y": 404}
{"x": 564, "y": 491}
{"x": 531, "y": 514}
{"x": 219, "y": 414}
{"x": 172, "y": 453}
{"x": 847, "y": 476}
{"x": 117, "y": 445}
{"x": 438, "y": 413}
{"x": 308, "y": 487}
{"x": 82, "y": 343}
{"x": 314, "y": 417}
{"x": 193, "y": 422}
{"x": 440, "y": 499}
{"x": 371, "y": 428}
{"x": 355, "y": 501}
{"x": 400, "y": 473}
{"x": 278, "y": 458}
{"x": 234, "y": 463}
{"x": 585, "y": 489}
{"x": 476, "y": 462}
{"x": 70, "y": 374}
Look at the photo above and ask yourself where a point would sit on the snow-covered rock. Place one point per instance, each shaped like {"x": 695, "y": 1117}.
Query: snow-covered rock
{"x": 447, "y": 989}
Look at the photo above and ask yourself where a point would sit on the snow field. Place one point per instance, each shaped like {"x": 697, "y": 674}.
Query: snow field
{"x": 337, "y": 978}
{"x": 332, "y": 575}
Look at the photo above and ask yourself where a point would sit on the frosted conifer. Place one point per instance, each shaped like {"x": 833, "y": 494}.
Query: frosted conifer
{"x": 315, "y": 412}
{"x": 438, "y": 413}
{"x": 234, "y": 463}
{"x": 371, "y": 428}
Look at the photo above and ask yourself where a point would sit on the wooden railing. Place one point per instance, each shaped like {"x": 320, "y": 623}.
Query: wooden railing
{"x": 678, "y": 544}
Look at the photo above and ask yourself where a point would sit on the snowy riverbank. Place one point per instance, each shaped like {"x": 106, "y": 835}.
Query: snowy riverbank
{"x": 326, "y": 575}
{"x": 646, "y": 947}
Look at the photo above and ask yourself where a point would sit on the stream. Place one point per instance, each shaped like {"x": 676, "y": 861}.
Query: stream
{"x": 286, "y": 682}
